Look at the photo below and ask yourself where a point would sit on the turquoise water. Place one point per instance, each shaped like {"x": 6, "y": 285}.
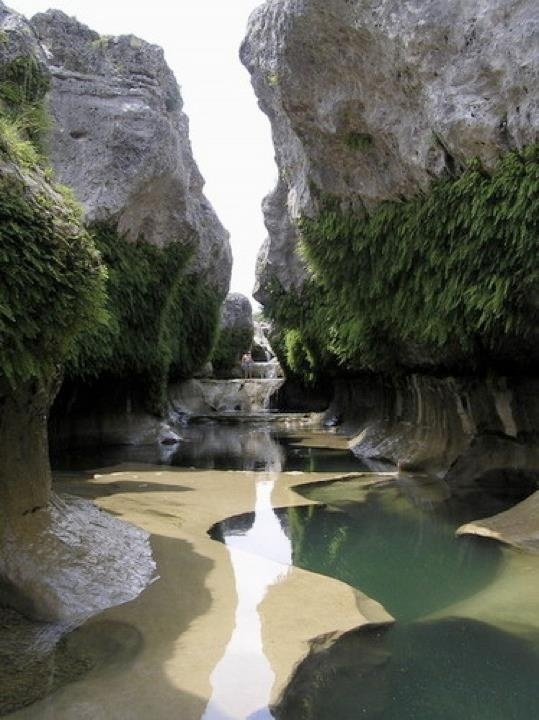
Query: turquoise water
{"x": 396, "y": 543}
{"x": 454, "y": 669}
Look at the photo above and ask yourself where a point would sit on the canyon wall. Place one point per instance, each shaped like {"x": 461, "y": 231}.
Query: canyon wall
{"x": 114, "y": 269}
{"x": 401, "y": 260}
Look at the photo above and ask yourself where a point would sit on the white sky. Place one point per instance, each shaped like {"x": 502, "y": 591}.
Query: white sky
{"x": 230, "y": 135}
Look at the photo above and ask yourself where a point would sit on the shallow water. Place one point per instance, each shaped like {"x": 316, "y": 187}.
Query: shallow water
{"x": 465, "y": 642}
{"x": 214, "y": 445}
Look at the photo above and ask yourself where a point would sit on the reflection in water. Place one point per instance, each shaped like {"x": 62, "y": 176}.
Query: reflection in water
{"x": 220, "y": 446}
{"x": 242, "y": 680}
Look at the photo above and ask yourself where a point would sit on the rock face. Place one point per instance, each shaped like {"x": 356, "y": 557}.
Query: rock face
{"x": 460, "y": 428}
{"x": 237, "y": 314}
{"x": 209, "y": 397}
{"x": 121, "y": 141}
{"x": 71, "y": 560}
{"x": 235, "y": 337}
{"x": 369, "y": 101}
{"x": 372, "y": 101}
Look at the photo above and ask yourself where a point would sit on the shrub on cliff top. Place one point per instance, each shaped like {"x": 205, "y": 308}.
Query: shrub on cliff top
{"x": 455, "y": 268}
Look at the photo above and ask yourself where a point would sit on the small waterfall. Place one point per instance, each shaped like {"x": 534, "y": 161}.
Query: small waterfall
{"x": 266, "y": 370}
{"x": 248, "y": 396}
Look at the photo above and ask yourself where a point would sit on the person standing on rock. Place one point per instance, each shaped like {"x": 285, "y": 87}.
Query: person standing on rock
{"x": 245, "y": 365}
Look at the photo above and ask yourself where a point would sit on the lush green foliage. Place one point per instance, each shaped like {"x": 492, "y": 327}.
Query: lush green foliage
{"x": 162, "y": 321}
{"x": 23, "y": 117}
{"x": 450, "y": 271}
{"x": 51, "y": 285}
{"x": 359, "y": 141}
{"x": 231, "y": 344}
{"x": 148, "y": 323}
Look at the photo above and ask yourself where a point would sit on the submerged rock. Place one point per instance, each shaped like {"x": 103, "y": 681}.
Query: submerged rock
{"x": 39, "y": 658}
{"x": 518, "y": 526}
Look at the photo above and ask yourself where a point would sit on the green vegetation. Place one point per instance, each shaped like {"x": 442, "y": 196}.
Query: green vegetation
{"x": 453, "y": 270}
{"x": 162, "y": 321}
{"x": 52, "y": 281}
{"x": 23, "y": 116}
{"x": 231, "y": 344}
{"x": 358, "y": 141}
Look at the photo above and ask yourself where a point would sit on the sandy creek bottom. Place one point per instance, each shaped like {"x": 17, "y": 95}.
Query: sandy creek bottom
{"x": 285, "y": 607}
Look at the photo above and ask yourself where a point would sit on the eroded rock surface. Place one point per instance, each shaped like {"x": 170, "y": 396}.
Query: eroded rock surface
{"x": 68, "y": 561}
{"x": 462, "y": 428}
{"x": 121, "y": 141}
{"x": 518, "y": 526}
{"x": 208, "y": 397}
{"x": 369, "y": 101}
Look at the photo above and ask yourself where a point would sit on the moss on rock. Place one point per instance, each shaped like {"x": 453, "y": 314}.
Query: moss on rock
{"x": 452, "y": 273}
{"x": 162, "y": 318}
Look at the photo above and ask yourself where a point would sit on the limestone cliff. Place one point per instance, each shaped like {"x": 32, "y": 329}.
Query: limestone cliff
{"x": 403, "y": 228}
{"x": 120, "y": 140}
{"x": 235, "y": 337}
{"x": 123, "y": 292}
{"x": 371, "y": 100}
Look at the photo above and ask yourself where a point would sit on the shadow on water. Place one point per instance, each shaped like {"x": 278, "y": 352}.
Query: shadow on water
{"x": 454, "y": 669}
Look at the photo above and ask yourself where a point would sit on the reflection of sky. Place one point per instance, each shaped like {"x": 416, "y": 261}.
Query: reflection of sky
{"x": 243, "y": 678}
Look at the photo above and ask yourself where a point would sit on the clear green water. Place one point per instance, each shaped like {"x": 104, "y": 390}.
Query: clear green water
{"x": 454, "y": 669}
{"x": 410, "y": 563}
{"x": 396, "y": 543}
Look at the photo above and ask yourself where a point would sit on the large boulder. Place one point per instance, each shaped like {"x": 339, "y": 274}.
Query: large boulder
{"x": 235, "y": 337}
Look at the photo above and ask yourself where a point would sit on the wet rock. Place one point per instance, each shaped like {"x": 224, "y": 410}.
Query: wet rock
{"x": 518, "y": 526}
{"x": 206, "y": 397}
{"x": 262, "y": 350}
{"x": 457, "y": 427}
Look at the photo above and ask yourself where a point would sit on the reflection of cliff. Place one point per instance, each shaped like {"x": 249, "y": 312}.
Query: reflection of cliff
{"x": 223, "y": 446}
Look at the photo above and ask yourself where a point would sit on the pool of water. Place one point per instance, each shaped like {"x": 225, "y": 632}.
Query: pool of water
{"x": 214, "y": 445}
{"x": 395, "y": 541}
{"x": 452, "y": 653}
